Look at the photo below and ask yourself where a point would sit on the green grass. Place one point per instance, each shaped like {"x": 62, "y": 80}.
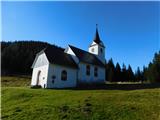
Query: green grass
{"x": 8, "y": 81}
{"x": 24, "y": 103}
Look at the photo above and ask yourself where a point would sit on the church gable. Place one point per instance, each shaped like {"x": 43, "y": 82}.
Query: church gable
{"x": 68, "y": 50}
{"x": 40, "y": 60}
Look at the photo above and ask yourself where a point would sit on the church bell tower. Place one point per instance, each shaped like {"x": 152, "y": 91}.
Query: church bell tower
{"x": 97, "y": 47}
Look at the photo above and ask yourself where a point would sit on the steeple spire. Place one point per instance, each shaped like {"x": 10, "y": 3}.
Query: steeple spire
{"x": 97, "y": 47}
{"x": 97, "y": 38}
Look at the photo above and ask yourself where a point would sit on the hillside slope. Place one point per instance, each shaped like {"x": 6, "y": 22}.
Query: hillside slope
{"x": 17, "y": 57}
{"x": 15, "y": 81}
{"x": 41, "y": 104}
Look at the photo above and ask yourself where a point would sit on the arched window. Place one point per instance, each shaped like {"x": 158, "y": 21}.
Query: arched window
{"x": 95, "y": 71}
{"x": 101, "y": 50}
{"x": 64, "y": 75}
{"x": 87, "y": 70}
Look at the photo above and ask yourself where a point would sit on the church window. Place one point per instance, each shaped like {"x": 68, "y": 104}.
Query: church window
{"x": 95, "y": 71}
{"x": 87, "y": 70}
{"x": 64, "y": 75}
{"x": 92, "y": 49}
{"x": 53, "y": 78}
{"x": 101, "y": 50}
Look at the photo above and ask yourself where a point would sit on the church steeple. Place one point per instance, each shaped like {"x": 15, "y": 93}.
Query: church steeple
{"x": 97, "y": 38}
{"x": 97, "y": 47}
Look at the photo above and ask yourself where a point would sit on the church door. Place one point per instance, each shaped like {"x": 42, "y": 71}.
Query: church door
{"x": 38, "y": 77}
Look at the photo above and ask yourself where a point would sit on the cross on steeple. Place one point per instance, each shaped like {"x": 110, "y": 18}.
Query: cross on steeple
{"x": 96, "y": 26}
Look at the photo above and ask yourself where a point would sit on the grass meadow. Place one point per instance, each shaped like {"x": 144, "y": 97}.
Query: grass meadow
{"x": 20, "y": 102}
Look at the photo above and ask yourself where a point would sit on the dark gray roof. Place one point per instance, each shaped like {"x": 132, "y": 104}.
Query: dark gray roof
{"x": 56, "y": 55}
{"x": 86, "y": 57}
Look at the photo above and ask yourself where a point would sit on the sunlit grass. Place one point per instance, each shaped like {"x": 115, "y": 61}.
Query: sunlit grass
{"x": 24, "y": 103}
{"x": 27, "y": 104}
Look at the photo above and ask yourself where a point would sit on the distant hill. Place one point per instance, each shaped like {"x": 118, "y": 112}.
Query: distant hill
{"x": 17, "y": 57}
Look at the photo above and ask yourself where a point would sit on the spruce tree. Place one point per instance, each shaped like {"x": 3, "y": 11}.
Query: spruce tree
{"x": 138, "y": 75}
{"x": 110, "y": 71}
{"x": 153, "y": 72}
{"x": 118, "y": 76}
{"x": 124, "y": 73}
{"x": 130, "y": 74}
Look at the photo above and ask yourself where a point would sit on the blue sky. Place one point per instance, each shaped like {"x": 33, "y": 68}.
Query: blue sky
{"x": 129, "y": 30}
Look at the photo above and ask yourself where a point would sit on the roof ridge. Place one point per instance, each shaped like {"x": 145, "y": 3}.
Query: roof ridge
{"x": 82, "y": 50}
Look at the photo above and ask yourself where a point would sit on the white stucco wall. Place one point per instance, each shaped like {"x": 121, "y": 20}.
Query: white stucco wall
{"x": 55, "y": 70}
{"x": 40, "y": 64}
{"x": 83, "y": 77}
{"x": 43, "y": 76}
{"x": 95, "y": 47}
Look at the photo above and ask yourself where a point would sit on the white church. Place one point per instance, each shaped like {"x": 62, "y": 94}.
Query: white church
{"x": 55, "y": 67}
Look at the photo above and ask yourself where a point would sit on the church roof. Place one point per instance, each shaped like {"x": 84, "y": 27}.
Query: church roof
{"x": 86, "y": 57}
{"x": 56, "y": 55}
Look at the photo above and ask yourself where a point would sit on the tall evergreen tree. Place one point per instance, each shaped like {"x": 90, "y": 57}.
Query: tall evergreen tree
{"x": 138, "y": 75}
{"x": 118, "y": 75}
{"x": 124, "y": 73}
{"x": 110, "y": 71}
{"x": 153, "y": 72}
{"x": 130, "y": 74}
{"x": 144, "y": 74}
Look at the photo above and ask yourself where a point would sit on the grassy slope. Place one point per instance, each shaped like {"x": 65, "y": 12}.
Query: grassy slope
{"x": 27, "y": 104}
{"x": 8, "y": 81}
{"x": 23, "y": 103}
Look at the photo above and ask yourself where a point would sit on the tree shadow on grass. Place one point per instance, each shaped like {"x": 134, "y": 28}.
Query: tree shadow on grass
{"x": 114, "y": 86}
